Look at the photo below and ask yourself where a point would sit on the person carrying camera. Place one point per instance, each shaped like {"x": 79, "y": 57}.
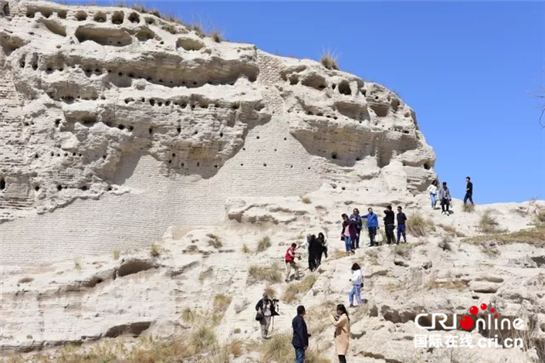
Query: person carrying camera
{"x": 265, "y": 311}
{"x": 341, "y": 322}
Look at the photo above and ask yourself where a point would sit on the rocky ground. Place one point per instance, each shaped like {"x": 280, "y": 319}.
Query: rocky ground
{"x": 212, "y": 277}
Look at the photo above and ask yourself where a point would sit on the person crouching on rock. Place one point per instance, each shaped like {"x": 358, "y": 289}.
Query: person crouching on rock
{"x": 348, "y": 233}
{"x": 341, "y": 321}
{"x": 265, "y": 308}
{"x": 357, "y": 284}
{"x": 290, "y": 261}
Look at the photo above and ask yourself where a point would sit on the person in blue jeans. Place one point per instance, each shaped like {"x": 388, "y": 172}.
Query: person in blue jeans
{"x": 372, "y": 225}
{"x": 356, "y": 217}
{"x": 401, "y": 219}
{"x": 357, "y": 281}
{"x": 348, "y": 233}
{"x": 300, "y": 335}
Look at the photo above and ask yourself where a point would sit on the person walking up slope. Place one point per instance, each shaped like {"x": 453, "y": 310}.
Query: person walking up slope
{"x": 401, "y": 219}
{"x": 348, "y": 233}
{"x": 323, "y": 243}
{"x": 356, "y": 217}
{"x": 432, "y": 189}
{"x": 265, "y": 308}
{"x": 372, "y": 225}
{"x": 445, "y": 198}
{"x": 389, "y": 224}
{"x": 290, "y": 261}
{"x": 469, "y": 191}
{"x": 300, "y": 335}
{"x": 357, "y": 283}
{"x": 341, "y": 322}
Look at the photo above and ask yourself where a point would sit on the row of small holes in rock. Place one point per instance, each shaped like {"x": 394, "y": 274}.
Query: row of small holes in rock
{"x": 88, "y": 72}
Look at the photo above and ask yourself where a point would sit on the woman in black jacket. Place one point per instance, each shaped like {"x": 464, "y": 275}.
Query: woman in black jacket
{"x": 265, "y": 310}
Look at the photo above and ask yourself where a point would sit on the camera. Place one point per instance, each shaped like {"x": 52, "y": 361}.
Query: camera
{"x": 276, "y": 300}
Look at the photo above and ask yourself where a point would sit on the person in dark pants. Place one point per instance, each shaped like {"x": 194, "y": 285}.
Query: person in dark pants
{"x": 372, "y": 225}
{"x": 356, "y": 217}
{"x": 389, "y": 225}
{"x": 314, "y": 251}
{"x": 445, "y": 198}
{"x": 300, "y": 335}
{"x": 469, "y": 191}
{"x": 348, "y": 233}
{"x": 401, "y": 219}
{"x": 323, "y": 243}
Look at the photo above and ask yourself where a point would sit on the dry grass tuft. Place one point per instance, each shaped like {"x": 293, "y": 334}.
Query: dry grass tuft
{"x": 246, "y": 249}
{"x": 77, "y": 265}
{"x": 404, "y": 250}
{"x": 190, "y": 316}
{"x": 393, "y": 286}
{"x": 26, "y": 280}
{"x": 116, "y": 253}
{"x": 221, "y": 304}
{"x": 242, "y": 306}
{"x": 279, "y": 349}
{"x": 270, "y": 274}
{"x": 329, "y": 60}
{"x": 306, "y": 200}
{"x": 451, "y": 230}
{"x": 216, "y": 36}
{"x": 263, "y": 244}
{"x": 468, "y": 208}
{"x": 214, "y": 240}
{"x": 171, "y": 28}
{"x": 206, "y": 274}
{"x": 271, "y": 292}
{"x": 445, "y": 244}
{"x": 201, "y": 339}
{"x": 198, "y": 29}
{"x": 447, "y": 285}
{"x": 155, "y": 250}
{"x": 533, "y": 236}
{"x": 418, "y": 226}
{"x": 234, "y": 348}
{"x": 373, "y": 256}
{"x": 338, "y": 254}
{"x": 540, "y": 218}
{"x": 488, "y": 223}
{"x": 299, "y": 288}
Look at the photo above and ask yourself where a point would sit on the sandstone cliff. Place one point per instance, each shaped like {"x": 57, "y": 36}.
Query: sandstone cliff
{"x": 150, "y": 175}
{"x": 115, "y": 119}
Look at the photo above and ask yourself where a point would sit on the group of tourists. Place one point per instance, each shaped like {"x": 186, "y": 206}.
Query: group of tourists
{"x": 442, "y": 194}
{"x": 266, "y": 310}
{"x": 352, "y": 227}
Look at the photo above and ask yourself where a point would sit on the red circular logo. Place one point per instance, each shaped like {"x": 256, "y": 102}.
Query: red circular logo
{"x": 483, "y": 306}
{"x": 466, "y": 322}
{"x": 473, "y": 310}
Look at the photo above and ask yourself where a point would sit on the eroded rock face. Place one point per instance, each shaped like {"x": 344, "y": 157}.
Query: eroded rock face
{"x": 107, "y": 109}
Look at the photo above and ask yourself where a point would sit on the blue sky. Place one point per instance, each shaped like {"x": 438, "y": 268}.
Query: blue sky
{"x": 468, "y": 69}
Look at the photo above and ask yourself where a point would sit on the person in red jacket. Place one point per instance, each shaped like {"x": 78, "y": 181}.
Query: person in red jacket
{"x": 290, "y": 261}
